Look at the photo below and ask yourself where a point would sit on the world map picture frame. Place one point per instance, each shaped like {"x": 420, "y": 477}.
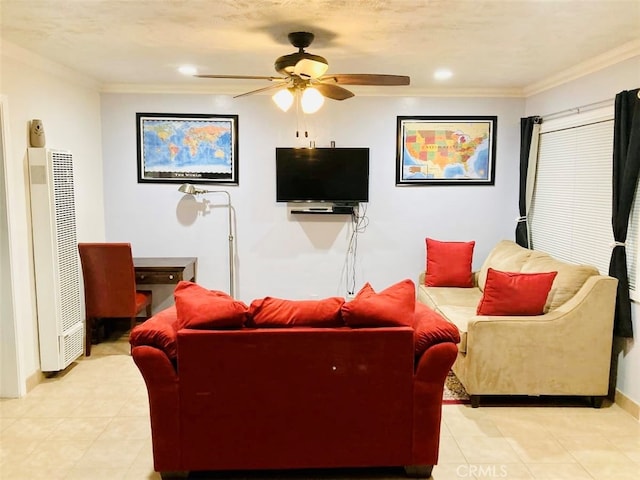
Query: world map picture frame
{"x": 193, "y": 148}
{"x": 446, "y": 150}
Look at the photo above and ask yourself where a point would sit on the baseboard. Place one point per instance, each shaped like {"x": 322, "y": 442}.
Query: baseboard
{"x": 627, "y": 404}
{"x": 34, "y": 379}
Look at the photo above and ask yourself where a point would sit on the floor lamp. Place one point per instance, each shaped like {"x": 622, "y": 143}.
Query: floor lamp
{"x": 190, "y": 189}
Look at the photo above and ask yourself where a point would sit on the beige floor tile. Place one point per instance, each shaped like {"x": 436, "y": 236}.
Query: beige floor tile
{"x": 96, "y": 474}
{"x": 31, "y": 428}
{"x": 451, "y": 471}
{"x": 87, "y": 429}
{"x": 450, "y": 451}
{"x": 629, "y": 445}
{"x": 460, "y": 425}
{"x": 16, "y": 452}
{"x": 106, "y": 453}
{"x": 570, "y": 471}
{"x": 60, "y": 454}
{"x": 5, "y": 423}
{"x": 614, "y": 471}
{"x": 540, "y": 449}
{"x": 26, "y": 472}
{"x": 138, "y": 473}
{"x": 127, "y": 428}
{"x": 487, "y": 450}
{"x": 593, "y": 448}
{"x": 54, "y": 407}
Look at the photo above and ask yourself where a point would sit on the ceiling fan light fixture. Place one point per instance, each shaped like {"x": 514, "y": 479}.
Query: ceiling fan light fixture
{"x": 312, "y": 100}
{"x": 442, "y": 74}
{"x": 283, "y": 99}
{"x": 310, "y": 68}
{"x": 187, "y": 70}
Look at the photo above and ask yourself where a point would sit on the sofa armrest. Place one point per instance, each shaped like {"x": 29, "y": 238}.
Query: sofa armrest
{"x": 162, "y": 387}
{"x": 431, "y": 372}
{"x": 572, "y": 341}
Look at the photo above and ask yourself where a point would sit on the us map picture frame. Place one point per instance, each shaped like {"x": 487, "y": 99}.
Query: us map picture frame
{"x": 446, "y": 150}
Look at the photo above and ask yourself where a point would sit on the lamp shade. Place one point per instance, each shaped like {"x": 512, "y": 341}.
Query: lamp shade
{"x": 283, "y": 99}
{"x": 311, "y": 100}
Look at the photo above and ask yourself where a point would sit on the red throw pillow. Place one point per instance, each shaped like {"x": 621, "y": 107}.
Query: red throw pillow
{"x": 159, "y": 331}
{"x": 430, "y": 328}
{"x": 200, "y": 308}
{"x": 511, "y": 293}
{"x": 449, "y": 264}
{"x": 277, "y": 312}
{"x": 393, "y": 306}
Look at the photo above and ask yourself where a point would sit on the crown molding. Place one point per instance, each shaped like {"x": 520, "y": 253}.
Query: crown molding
{"x": 617, "y": 55}
{"x": 361, "y": 91}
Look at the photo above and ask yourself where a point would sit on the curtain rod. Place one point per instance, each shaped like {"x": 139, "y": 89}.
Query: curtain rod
{"x": 580, "y": 109}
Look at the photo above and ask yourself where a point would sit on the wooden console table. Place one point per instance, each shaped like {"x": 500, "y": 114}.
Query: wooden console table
{"x": 164, "y": 270}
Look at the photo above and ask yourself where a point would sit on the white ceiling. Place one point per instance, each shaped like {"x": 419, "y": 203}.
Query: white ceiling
{"x": 492, "y": 46}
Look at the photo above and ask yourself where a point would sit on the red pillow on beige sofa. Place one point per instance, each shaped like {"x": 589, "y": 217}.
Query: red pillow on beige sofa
{"x": 511, "y": 293}
{"x": 200, "y": 308}
{"x": 449, "y": 264}
{"x": 430, "y": 328}
{"x": 393, "y": 306}
{"x": 278, "y": 312}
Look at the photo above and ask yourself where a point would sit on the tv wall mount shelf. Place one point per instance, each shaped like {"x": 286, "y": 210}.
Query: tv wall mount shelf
{"x": 328, "y": 210}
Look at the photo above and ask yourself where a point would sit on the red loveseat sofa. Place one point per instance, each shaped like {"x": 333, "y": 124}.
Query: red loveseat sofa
{"x": 292, "y": 398}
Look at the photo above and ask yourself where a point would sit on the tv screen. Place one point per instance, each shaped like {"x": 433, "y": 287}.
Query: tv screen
{"x": 338, "y": 175}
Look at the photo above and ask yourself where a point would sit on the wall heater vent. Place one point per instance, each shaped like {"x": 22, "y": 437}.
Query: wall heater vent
{"x": 55, "y": 253}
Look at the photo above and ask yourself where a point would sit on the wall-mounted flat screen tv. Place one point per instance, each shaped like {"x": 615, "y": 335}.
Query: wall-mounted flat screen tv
{"x": 338, "y": 175}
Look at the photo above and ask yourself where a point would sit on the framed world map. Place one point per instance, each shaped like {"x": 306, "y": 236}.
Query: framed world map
{"x": 446, "y": 150}
{"x": 195, "y": 148}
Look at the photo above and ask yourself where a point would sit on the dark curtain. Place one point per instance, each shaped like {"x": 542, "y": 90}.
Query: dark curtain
{"x": 526, "y": 130}
{"x": 626, "y": 165}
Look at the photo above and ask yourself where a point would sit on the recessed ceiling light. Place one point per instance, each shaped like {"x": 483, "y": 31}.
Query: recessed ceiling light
{"x": 187, "y": 70}
{"x": 443, "y": 74}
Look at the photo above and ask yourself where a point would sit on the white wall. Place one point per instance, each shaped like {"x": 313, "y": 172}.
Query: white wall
{"x": 69, "y": 107}
{"x": 302, "y": 256}
{"x": 598, "y": 86}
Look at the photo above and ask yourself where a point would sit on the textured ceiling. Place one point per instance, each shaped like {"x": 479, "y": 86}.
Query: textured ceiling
{"x": 492, "y": 46}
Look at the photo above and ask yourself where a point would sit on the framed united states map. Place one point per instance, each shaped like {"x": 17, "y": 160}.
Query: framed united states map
{"x": 195, "y": 148}
{"x": 446, "y": 150}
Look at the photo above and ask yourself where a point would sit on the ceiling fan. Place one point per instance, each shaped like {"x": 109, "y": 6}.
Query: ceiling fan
{"x": 304, "y": 74}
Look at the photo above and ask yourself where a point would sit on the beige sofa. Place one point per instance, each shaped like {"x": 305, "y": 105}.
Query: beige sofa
{"x": 565, "y": 351}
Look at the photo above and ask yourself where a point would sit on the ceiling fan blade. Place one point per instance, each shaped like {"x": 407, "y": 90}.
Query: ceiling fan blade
{"x": 366, "y": 79}
{"x": 243, "y": 77}
{"x": 264, "y": 89}
{"x": 333, "y": 91}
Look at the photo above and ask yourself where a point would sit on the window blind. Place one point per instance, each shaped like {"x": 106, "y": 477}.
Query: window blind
{"x": 571, "y": 209}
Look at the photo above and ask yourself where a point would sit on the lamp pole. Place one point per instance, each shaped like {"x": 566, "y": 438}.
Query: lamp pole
{"x": 190, "y": 189}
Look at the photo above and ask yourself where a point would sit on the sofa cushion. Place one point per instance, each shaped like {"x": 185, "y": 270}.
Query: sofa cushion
{"x": 393, "y": 306}
{"x": 511, "y": 293}
{"x": 278, "y": 312}
{"x": 159, "y": 331}
{"x": 506, "y": 256}
{"x": 459, "y": 316}
{"x": 449, "y": 264}
{"x": 430, "y": 328}
{"x": 200, "y": 308}
{"x": 569, "y": 280}
{"x": 436, "y": 296}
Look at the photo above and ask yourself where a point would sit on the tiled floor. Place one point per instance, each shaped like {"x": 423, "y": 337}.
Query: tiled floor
{"x": 91, "y": 422}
